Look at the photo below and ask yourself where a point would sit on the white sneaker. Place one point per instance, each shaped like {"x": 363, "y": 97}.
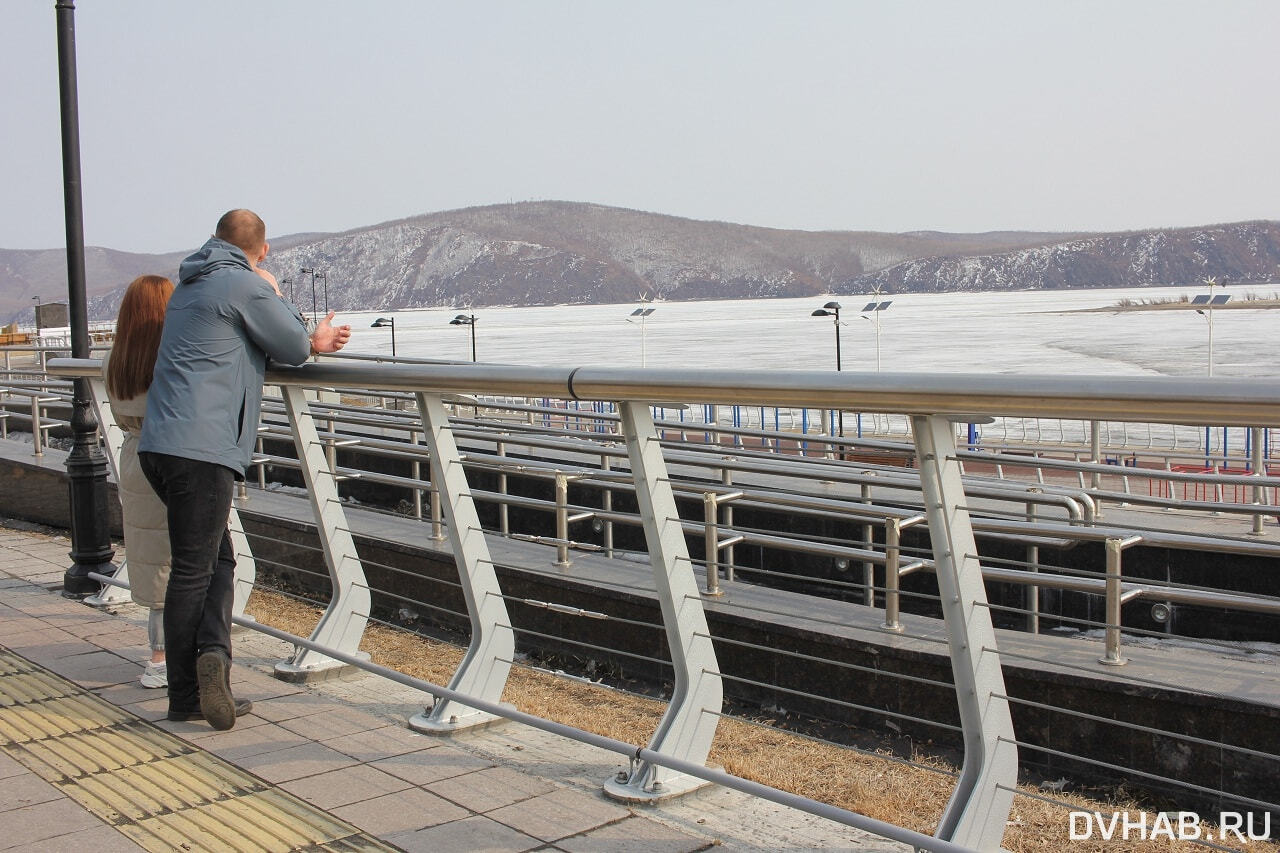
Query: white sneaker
{"x": 155, "y": 675}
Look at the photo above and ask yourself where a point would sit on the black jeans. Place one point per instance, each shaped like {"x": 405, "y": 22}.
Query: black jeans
{"x": 197, "y": 604}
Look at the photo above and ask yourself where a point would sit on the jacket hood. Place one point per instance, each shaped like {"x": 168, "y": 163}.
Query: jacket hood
{"x": 214, "y": 254}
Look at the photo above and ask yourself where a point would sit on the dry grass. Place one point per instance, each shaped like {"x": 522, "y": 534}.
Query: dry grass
{"x": 879, "y": 787}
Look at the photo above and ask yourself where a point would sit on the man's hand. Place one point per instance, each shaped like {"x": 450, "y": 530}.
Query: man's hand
{"x": 328, "y": 337}
{"x": 269, "y": 279}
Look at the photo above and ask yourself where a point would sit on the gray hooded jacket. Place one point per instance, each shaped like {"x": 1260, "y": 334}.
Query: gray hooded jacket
{"x": 222, "y": 324}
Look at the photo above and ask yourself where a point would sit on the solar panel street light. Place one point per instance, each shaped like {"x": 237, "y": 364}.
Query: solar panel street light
{"x": 1209, "y": 301}
{"x": 642, "y": 313}
{"x": 874, "y": 309}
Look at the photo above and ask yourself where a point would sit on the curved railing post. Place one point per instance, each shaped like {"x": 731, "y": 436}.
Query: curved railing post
{"x": 980, "y": 804}
{"x": 487, "y": 663}
{"x": 342, "y": 624}
{"x": 689, "y": 724}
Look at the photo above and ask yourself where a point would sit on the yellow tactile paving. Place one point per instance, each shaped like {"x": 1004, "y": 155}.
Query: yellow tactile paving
{"x": 160, "y": 791}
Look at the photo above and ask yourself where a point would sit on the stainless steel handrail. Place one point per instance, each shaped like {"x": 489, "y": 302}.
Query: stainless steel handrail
{"x": 1199, "y": 402}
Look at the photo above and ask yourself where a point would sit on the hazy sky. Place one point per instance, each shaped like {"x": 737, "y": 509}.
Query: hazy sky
{"x": 886, "y": 116}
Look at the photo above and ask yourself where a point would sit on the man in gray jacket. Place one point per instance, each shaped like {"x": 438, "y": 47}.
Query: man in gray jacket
{"x": 225, "y": 319}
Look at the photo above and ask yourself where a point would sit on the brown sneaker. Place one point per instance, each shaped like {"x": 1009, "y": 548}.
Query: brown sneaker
{"x": 243, "y": 706}
{"x": 213, "y": 675}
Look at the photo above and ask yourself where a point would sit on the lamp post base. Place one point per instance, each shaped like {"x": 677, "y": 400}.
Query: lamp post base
{"x": 76, "y": 583}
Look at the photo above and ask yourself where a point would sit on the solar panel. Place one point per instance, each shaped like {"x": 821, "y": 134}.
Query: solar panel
{"x": 1201, "y": 299}
{"x": 1220, "y": 300}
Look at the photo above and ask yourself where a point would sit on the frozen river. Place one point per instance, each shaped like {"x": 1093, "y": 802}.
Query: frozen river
{"x": 1023, "y": 332}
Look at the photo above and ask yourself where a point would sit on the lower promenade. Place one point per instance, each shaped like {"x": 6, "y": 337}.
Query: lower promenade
{"x": 88, "y": 762}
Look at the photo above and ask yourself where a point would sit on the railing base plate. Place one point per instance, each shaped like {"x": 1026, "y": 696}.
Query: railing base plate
{"x": 326, "y": 671}
{"x": 427, "y": 724}
{"x": 670, "y": 789}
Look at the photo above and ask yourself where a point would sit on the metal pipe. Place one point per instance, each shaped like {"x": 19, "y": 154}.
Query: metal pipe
{"x": 699, "y": 771}
{"x": 1259, "y": 469}
{"x": 415, "y": 471}
{"x": 1113, "y": 656}
{"x": 36, "y": 428}
{"x": 726, "y": 478}
{"x": 892, "y": 561}
{"x": 607, "y": 504}
{"x": 1095, "y": 453}
{"x": 562, "y": 521}
{"x": 1174, "y": 400}
{"x": 868, "y": 567}
{"x": 1033, "y": 591}
{"x": 437, "y": 518}
{"x": 711, "y": 534}
{"x": 262, "y": 465}
{"x": 504, "y": 520}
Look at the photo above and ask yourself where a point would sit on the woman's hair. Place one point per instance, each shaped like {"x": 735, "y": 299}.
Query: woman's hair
{"x": 138, "y": 326}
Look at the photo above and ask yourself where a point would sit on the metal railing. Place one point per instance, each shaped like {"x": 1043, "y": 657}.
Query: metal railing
{"x": 1079, "y": 505}
{"x": 674, "y": 757}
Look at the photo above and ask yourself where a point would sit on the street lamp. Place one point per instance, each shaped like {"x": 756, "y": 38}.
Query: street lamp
{"x": 324, "y": 276}
{"x": 874, "y": 309}
{"x": 311, "y": 272}
{"x": 832, "y": 309}
{"x": 1209, "y": 301}
{"x": 288, "y": 281}
{"x": 467, "y": 320}
{"x": 387, "y": 321}
{"x": 91, "y": 548}
{"x": 642, "y": 313}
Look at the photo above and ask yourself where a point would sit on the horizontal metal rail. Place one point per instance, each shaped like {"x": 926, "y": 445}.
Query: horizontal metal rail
{"x": 1198, "y": 402}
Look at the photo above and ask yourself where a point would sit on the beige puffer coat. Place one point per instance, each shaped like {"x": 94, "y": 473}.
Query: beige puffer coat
{"x": 146, "y": 529}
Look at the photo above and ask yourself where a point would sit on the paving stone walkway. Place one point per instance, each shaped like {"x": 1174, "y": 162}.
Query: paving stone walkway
{"x": 343, "y": 747}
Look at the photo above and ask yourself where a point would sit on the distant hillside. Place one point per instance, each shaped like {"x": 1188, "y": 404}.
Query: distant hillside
{"x": 1240, "y": 252}
{"x": 25, "y": 274}
{"x": 537, "y": 253}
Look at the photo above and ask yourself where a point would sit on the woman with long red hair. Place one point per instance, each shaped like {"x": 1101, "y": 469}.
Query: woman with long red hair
{"x": 129, "y": 366}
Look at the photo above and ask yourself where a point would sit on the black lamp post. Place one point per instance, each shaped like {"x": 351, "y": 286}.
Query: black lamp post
{"x": 467, "y": 320}
{"x": 311, "y": 272}
{"x": 832, "y": 309}
{"x": 86, "y": 466}
{"x": 387, "y": 321}
{"x": 288, "y": 281}
{"x": 323, "y": 276}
